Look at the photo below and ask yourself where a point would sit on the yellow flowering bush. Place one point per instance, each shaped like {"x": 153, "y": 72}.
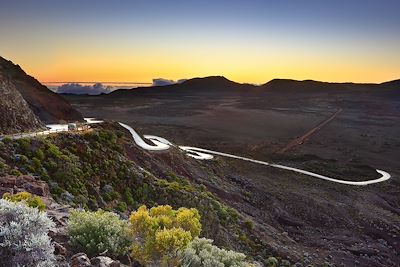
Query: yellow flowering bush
{"x": 29, "y": 199}
{"x": 159, "y": 233}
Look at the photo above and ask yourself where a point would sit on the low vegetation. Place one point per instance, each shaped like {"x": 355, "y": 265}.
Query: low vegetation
{"x": 160, "y": 232}
{"x": 30, "y": 200}
{"x": 159, "y": 236}
{"x": 92, "y": 171}
{"x": 202, "y": 253}
{"x": 98, "y": 232}
{"x": 24, "y": 235}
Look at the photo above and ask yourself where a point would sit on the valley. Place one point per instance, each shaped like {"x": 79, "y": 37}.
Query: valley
{"x": 299, "y": 217}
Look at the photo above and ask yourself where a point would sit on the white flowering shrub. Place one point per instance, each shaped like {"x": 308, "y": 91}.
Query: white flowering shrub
{"x": 98, "y": 232}
{"x": 24, "y": 239}
{"x": 202, "y": 253}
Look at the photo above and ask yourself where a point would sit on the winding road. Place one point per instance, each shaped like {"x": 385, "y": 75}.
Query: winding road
{"x": 160, "y": 143}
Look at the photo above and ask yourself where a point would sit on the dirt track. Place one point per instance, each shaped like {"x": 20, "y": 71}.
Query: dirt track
{"x": 302, "y": 139}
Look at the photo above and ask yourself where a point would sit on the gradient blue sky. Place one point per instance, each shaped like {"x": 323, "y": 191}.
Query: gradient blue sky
{"x": 246, "y": 41}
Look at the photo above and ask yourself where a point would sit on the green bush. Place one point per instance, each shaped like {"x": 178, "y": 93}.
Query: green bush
{"x": 37, "y": 164}
{"x": 249, "y": 224}
{"x": 15, "y": 172}
{"x": 122, "y": 206}
{"x": 39, "y": 154}
{"x": 30, "y": 200}
{"x": 128, "y": 197}
{"x": 202, "y": 253}
{"x": 53, "y": 151}
{"x": 272, "y": 262}
{"x": 7, "y": 140}
{"x": 98, "y": 232}
{"x": 24, "y": 144}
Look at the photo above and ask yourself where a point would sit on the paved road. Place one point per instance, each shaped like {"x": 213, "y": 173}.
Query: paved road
{"x": 52, "y": 128}
{"x": 160, "y": 143}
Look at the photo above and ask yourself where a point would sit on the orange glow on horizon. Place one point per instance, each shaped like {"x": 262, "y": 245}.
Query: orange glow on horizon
{"x": 253, "y": 66}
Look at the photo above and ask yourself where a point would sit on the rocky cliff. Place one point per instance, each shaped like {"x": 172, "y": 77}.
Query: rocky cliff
{"x": 15, "y": 114}
{"x": 45, "y": 104}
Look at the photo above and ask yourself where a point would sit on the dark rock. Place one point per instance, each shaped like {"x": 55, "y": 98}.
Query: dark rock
{"x": 102, "y": 261}
{"x": 59, "y": 249}
{"x": 107, "y": 188}
{"x": 67, "y": 196}
{"x": 15, "y": 184}
{"x": 80, "y": 260}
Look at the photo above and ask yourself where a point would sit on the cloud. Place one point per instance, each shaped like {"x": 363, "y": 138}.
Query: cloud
{"x": 77, "y": 89}
{"x": 164, "y": 82}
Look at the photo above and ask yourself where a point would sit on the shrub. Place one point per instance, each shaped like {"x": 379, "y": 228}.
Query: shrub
{"x": 161, "y": 232}
{"x": 128, "y": 197}
{"x": 121, "y": 206}
{"x": 24, "y": 236}
{"x": 7, "y": 140}
{"x": 249, "y": 224}
{"x": 15, "y": 172}
{"x": 30, "y": 200}
{"x": 24, "y": 144}
{"x": 37, "y": 164}
{"x": 98, "y": 232}
{"x": 39, "y": 154}
{"x": 272, "y": 262}
{"x": 201, "y": 252}
{"x": 53, "y": 151}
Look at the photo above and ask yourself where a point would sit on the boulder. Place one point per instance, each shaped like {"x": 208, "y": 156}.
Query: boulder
{"x": 80, "y": 260}
{"x": 59, "y": 249}
{"x": 102, "y": 261}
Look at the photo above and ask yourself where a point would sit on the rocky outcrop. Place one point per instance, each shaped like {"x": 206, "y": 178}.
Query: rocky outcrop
{"x": 45, "y": 104}
{"x": 15, "y": 114}
{"x": 80, "y": 260}
{"x": 15, "y": 184}
{"x": 102, "y": 261}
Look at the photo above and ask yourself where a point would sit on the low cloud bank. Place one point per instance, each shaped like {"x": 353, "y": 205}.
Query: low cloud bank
{"x": 164, "y": 82}
{"x": 77, "y": 89}
{"x": 99, "y": 88}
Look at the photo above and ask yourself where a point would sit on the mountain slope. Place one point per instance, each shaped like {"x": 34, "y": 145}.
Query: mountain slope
{"x": 212, "y": 84}
{"x": 220, "y": 84}
{"x": 310, "y": 85}
{"x": 45, "y": 104}
{"x": 15, "y": 114}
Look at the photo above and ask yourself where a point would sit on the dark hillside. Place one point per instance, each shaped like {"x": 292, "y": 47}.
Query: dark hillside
{"x": 47, "y": 105}
{"x": 15, "y": 114}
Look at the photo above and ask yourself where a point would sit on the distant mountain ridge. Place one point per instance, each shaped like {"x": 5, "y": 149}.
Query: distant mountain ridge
{"x": 48, "y": 106}
{"x": 221, "y": 83}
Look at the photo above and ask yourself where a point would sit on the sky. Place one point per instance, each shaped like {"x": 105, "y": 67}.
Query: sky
{"x": 245, "y": 41}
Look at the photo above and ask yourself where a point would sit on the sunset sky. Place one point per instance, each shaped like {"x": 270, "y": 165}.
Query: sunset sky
{"x": 246, "y": 41}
